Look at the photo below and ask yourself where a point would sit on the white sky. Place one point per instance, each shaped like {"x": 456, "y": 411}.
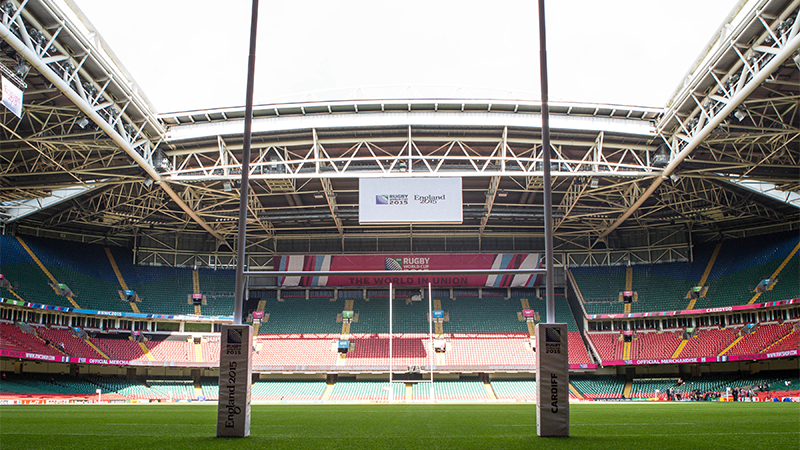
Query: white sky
{"x": 192, "y": 54}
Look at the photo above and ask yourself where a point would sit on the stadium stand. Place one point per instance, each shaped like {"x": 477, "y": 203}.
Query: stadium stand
{"x": 13, "y": 338}
{"x": 608, "y": 344}
{"x": 483, "y": 315}
{"x": 170, "y": 349}
{"x": 520, "y": 390}
{"x": 292, "y": 350}
{"x": 450, "y": 390}
{"x": 600, "y": 287}
{"x": 72, "y": 345}
{"x": 408, "y": 349}
{"x": 760, "y": 339}
{"x": 578, "y": 353}
{"x": 651, "y": 387}
{"x": 287, "y": 390}
{"x": 481, "y": 331}
{"x": 739, "y": 266}
{"x": 489, "y": 349}
{"x": 120, "y": 349}
{"x": 789, "y": 342}
{"x": 601, "y": 386}
{"x": 654, "y": 345}
{"x": 28, "y": 280}
{"x": 298, "y": 316}
{"x": 366, "y": 390}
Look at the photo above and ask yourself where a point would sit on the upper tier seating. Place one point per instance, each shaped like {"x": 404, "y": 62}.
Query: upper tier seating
{"x": 789, "y": 342}
{"x": 740, "y": 265}
{"x": 298, "y": 315}
{"x": 708, "y": 342}
{"x": 73, "y": 346}
{"x": 125, "y": 350}
{"x": 578, "y": 354}
{"x": 608, "y": 344}
{"x": 170, "y": 350}
{"x": 760, "y": 339}
{"x": 654, "y": 345}
{"x": 13, "y": 338}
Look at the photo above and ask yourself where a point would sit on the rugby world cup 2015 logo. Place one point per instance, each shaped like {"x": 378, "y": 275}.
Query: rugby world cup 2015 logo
{"x": 233, "y": 346}
{"x": 393, "y": 264}
{"x": 552, "y": 335}
{"x": 234, "y": 336}
{"x": 381, "y": 199}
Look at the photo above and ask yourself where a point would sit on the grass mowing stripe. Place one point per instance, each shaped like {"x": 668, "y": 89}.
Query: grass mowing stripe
{"x": 425, "y": 426}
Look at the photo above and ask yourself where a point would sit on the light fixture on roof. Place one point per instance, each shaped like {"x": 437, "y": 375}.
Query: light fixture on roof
{"x": 594, "y": 183}
{"x": 318, "y": 195}
{"x": 674, "y": 178}
{"x": 661, "y": 156}
{"x": 502, "y": 193}
{"x": 22, "y": 68}
{"x": 739, "y": 114}
{"x": 227, "y": 186}
{"x": 82, "y": 122}
{"x": 148, "y": 182}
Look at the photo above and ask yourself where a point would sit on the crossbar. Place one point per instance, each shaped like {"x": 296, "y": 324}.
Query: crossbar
{"x": 384, "y": 273}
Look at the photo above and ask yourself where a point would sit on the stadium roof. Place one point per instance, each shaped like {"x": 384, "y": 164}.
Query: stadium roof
{"x": 90, "y": 156}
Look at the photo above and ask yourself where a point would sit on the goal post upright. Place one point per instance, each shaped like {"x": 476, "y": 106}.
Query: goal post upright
{"x": 391, "y": 360}
{"x": 236, "y": 340}
{"x": 431, "y": 349}
{"x": 552, "y": 361}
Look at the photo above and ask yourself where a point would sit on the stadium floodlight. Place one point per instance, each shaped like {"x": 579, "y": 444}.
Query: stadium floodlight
{"x": 227, "y": 186}
{"x": 739, "y": 114}
{"x": 82, "y": 122}
{"x": 22, "y": 68}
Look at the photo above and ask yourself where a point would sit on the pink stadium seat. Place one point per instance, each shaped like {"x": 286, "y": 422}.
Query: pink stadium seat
{"x": 757, "y": 341}
{"x": 72, "y": 345}
{"x": 708, "y": 342}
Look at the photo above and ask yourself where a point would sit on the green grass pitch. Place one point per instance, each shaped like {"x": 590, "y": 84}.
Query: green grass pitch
{"x": 416, "y": 426}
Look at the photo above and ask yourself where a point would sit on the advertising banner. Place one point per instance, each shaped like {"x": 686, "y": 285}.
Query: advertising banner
{"x": 391, "y": 263}
{"x": 12, "y": 97}
{"x": 235, "y": 375}
{"x": 702, "y": 359}
{"x": 719, "y": 309}
{"x": 552, "y": 380}
{"x": 93, "y": 312}
{"x": 409, "y": 200}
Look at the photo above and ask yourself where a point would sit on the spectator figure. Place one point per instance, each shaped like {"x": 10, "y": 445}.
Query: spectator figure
{"x": 735, "y": 393}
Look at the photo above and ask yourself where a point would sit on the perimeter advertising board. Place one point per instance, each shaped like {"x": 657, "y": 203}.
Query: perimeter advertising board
{"x": 409, "y": 200}
{"x": 235, "y": 373}
{"x": 552, "y": 380}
